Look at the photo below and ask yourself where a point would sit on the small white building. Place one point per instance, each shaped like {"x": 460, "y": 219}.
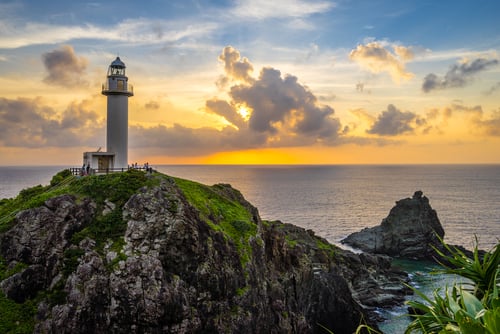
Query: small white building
{"x": 118, "y": 90}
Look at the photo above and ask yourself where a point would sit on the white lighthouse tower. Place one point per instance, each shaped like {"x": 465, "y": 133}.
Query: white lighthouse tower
{"x": 118, "y": 90}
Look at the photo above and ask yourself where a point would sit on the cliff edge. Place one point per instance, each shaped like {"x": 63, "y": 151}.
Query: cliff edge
{"x": 148, "y": 253}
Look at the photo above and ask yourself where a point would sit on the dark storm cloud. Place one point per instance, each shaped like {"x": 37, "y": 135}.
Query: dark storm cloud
{"x": 458, "y": 75}
{"x": 29, "y": 123}
{"x": 64, "y": 67}
{"x": 393, "y": 122}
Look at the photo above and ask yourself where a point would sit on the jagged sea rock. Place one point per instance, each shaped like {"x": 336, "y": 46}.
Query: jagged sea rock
{"x": 410, "y": 230}
{"x": 191, "y": 259}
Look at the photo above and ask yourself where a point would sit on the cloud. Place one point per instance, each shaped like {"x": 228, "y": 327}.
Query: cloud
{"x": 135, "y": 32}
{"x": 269, "y": 111}
{"x": 491, "y": 125}
{"x": 280, "y": 108}
{"x": 284, "y": 105}
{"x": 64, "y": 67}
{"x": 29, "y": 123}
{"x": 229, "y": 112}
{"x": 236, "y": 68}
{"x": 393, "y": 122}
{"x": 493, "y": 89}
{"x": 479, "y": 121}
{"x": 458, "y": 75}
{"x": 264, "y": 9}
{"x": 179, "y": 140}
{"x": 152, "y": 105}
{"x": 376, "y": 58}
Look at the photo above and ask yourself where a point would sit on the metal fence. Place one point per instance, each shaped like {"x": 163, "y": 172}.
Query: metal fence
{"x": 93, "y": 171}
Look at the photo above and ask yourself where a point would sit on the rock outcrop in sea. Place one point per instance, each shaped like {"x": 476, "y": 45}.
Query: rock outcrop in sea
{"x": 138, "y": 253}
{"x": 411, "y": 230}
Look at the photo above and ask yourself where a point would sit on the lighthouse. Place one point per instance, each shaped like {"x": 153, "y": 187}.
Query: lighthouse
{"x": 118, "y": 90}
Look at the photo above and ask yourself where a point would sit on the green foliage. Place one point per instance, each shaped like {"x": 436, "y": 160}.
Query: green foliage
{"x": 56, "y": 296}
{"x": 327, "y": 247}
{"x": 119, "y": 257}
{"x": 360, "y": 329}
{"x": 71, "y": 260}
{"x": 116, "y": 187}
{"x": 291, "y": 242}
{"x": 5, "y": 273}
{"x": 33, "y": 197}
{"x": 464, "y": 308}
{"x": 482, "y": 272}
{"x": 16, "y": 318}
{"x": 60, "y": 177}
{"x": 104, "y": 227}
{"x": 222, "y": 214}
{"x": 242, "y": 291}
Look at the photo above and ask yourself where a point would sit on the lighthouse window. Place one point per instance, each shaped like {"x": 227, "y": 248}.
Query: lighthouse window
{"x": 121, "y": 85}
{"x": 117, "y": 71}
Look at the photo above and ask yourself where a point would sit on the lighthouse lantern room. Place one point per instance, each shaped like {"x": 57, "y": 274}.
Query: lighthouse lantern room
{"x": 117, "y": 90}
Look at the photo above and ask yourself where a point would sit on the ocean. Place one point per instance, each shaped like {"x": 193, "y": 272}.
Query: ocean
{"x": 335, "y": 201}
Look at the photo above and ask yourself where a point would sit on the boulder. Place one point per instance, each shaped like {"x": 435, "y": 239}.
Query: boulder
{"x": 411, "y": 230}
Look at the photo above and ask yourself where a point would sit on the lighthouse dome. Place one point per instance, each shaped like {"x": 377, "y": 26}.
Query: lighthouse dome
{"x": 117, "y": 68}
{"x": 118, "y": 63}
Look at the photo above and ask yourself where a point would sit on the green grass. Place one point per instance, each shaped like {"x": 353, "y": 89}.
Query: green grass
{"x": 5, "y": 273}
{"x": 222, "y": 214}
{"x": 327, "y": 247}
{"x": 116, "y": 187}
{"x": 33, "y": 197}
{"x": 16, "y": 318}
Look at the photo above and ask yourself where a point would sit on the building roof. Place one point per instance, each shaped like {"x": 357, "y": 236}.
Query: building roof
{"x": 118, "y": 63}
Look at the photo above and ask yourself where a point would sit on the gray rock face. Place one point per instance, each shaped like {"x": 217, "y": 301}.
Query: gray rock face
{"x": 38, "y": 240}
{"x": 410, "y": 230}
{"x": 177, "y": 274}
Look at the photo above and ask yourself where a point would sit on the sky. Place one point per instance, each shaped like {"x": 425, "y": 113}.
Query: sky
{"x": 254, "y": 81}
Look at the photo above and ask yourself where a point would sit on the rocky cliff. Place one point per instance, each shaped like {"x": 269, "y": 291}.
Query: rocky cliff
{"x": 140, "y": 253}
{"x": 411, "y": 230}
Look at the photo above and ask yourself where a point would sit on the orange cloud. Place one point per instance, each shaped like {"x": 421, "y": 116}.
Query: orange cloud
{"x": 376, "y": 58}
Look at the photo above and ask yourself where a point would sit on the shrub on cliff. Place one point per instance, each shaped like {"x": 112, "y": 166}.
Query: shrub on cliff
{"x": 465, "y": 308}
